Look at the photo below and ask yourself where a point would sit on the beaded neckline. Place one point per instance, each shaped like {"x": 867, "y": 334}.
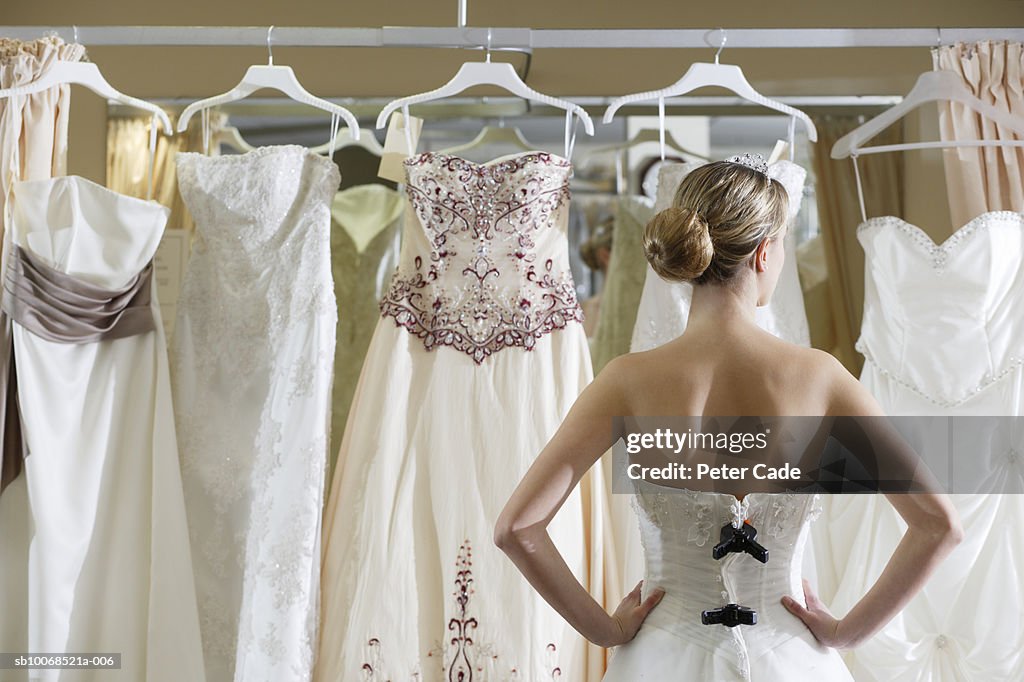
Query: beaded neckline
{"x": 940, "y": 255}
{"x": 425, "y": 156}
{"x": 941, "y": 252}
{"x": 947, "y": 402}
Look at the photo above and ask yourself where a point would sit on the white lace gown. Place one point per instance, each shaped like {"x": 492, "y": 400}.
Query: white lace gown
{"x": 943, "y": 334}
{"x": 679, "y": 529}
{"x": 109, "y": 568}
{"x": 477, "y": 358}
{"x": 252, "y": 357}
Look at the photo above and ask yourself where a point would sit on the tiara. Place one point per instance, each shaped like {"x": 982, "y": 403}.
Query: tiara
{"x": 752, "y": 161}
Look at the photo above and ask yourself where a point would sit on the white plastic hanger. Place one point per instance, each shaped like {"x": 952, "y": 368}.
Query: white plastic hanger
{"x": 87, "y": 74}
{"x": 661, "y": 136}
{"x": 229, "y": 136}
{"x": 345, "y": 138}
{"x": 500, "y": 74}
{"x": 496, "y": 136}
{"x": 703, "y": 74}
{"x": 931, "y": 86}
{"x": 280, "y": 78}
{"x": 649, "y": 135}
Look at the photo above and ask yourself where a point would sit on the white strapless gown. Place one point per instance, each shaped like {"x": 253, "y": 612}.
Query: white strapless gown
{"x": 679, "y": 529}
{"x": 943, "y": 334}
{"x": 109, "y": 568}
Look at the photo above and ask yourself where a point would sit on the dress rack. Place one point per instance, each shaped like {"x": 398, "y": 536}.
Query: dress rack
{"x": 515, "y": 39}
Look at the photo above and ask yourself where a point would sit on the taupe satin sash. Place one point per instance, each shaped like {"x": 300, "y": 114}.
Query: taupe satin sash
{"x": 63, "y": 309}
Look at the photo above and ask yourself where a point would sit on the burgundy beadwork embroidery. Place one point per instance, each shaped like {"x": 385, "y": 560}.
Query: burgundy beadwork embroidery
{"x": 369, "y": 672}
{"x": 483, "y": 286}
{"x": 462, "y": 625}
{"x": 464, "y": 660}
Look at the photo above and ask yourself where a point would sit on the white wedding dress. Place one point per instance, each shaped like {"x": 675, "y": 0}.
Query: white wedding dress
{"x": 252, "y": 358}
{"x": 943, "y": 335}
{"x": 679, "y": 528}
{"x": 109, "y": 566}
{"x": 476, "y": 359}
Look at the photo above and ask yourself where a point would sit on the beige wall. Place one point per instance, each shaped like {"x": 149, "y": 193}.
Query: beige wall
{"x": 193, "y": 72}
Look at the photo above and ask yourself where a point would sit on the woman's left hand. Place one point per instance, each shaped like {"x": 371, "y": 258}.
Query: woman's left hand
{"x": 816, "y": 617}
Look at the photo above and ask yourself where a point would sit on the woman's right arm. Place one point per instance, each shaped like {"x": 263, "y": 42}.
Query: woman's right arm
{"x": 933, "y": 530}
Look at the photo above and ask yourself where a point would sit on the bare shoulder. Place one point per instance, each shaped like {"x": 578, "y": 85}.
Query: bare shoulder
{"x": 624, "y": 371}
{"x": 633, "y": 375}
{"x": 844, "y": 393}
{"x": 825, "y": 364}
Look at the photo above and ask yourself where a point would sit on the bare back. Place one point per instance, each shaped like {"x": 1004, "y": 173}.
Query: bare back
{"x": 736, "y": 370}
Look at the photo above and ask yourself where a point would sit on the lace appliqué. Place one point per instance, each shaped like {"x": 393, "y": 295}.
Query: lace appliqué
{"x": 692, "y": 511}
{"x": 781, "y": 514}
{"x": 484, "y": 286}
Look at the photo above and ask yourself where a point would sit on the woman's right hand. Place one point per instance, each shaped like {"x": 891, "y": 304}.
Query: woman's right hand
{"x": 630, "y": 615}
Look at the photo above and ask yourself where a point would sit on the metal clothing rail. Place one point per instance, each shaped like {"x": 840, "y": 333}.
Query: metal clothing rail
{"x": 514, "y": 38}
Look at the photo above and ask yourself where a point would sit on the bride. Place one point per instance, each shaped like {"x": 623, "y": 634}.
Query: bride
{"x": 731, "y": 616}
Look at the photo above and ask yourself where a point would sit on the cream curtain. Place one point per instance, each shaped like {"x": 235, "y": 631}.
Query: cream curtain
{"x": 834, "y": 311}
{"x": 36, "y": 126}
{"x": 128, "y": 163}
{"x": 989, "y": 178}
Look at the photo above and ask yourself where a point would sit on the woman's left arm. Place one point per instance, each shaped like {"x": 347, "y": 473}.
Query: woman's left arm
{"x": 521, "y": 530}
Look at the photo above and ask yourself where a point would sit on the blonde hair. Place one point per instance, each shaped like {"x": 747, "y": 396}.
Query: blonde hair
{"x": 720, "y": 214}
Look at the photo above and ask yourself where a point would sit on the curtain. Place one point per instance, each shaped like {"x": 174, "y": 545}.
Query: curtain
{"x": 988, "y": 178}
{"x": 834, "y": 314}
{"x": 128, "y": 163}
{"x": 35, "y": 125}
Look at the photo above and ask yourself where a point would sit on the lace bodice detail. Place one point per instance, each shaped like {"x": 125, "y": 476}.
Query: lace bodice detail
{"x": 665, "y": 306}
{"x": 679, "y": 528}
{"x": 962, "y": 301}
{"x": 484, "y": 264}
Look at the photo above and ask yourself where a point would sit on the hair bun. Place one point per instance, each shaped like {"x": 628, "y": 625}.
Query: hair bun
{"x": 678, "y": 244}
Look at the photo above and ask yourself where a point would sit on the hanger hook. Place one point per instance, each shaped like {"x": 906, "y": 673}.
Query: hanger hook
{"x": 75, "y": 28}
{"x": 938, "y": 37}
{"x": 487, "y": 54}
{"x": 270, "y": 49}
{"x": 721, "y": 46}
